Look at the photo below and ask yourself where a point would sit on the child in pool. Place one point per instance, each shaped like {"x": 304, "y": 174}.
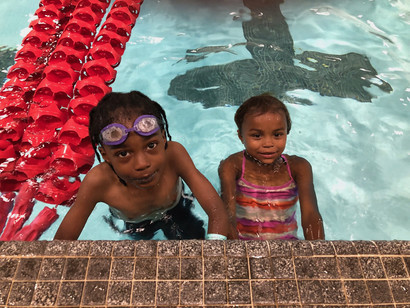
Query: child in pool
{"x": 141, "y": 176}
{"x": 260, "y": 185}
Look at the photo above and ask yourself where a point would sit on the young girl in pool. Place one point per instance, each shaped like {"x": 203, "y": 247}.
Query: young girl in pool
{"x": 141, "y": 176}
{"x": 261, "y": 185}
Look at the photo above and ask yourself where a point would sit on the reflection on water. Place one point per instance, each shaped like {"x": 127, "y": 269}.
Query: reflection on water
{"x": 272, "y": 67}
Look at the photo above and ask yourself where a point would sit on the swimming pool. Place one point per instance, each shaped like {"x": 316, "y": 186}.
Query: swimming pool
{"x": 200, "y": 60}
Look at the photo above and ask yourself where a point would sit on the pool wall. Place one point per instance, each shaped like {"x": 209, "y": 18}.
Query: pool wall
{"x": 205, "y": 274}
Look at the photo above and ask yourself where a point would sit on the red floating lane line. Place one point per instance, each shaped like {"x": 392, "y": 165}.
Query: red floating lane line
{"x": 74, "y": 154}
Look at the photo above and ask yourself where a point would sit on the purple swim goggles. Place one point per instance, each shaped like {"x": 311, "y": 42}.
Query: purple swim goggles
{"x": 115, "y": 133}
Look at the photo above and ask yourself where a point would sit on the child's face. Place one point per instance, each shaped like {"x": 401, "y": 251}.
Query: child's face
{"x": 264, "y": 135}
{"x": 139, "y": 160}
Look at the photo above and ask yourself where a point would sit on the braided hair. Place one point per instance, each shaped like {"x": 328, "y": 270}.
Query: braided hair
{"x": 116, "y": 107}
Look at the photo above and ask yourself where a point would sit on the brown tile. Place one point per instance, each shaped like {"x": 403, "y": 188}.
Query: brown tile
{"x": 344, "y": 247}
{"x": 8, "y": 267}
{"x": 400, "y": 290}
{"x": 235, "y": 248}
{"x": 146, "y": 248}
{"x": 311, "y": 292}
{"x": 145, "y": 268}
{"x": 28, "y": 269}
{"x": 45, "y": 294}
{"x": 379, "y": 291}
{"x": 143, "y": 293}
{"x": 323, "y": 248}
{"x": 168, "y": 268}
{"x": 215, "y": 268}
{"x": 333, "y": 292}
{"x": 356, "y": 292}
{"x": 301, "y": 248}
{"x": 395, "y": 267}
{"x": 122, "y": 269}
{"x": 124, "y": 249}
{"x": 213, "y": 248}
{"x": 372, "y": 267}
{"x": 21, "y": 293}
{"x": 283, "y": 268}
{"x": 78, "y": 248}
{"x": 349, "y": 267}
{"x": 323, "y": 267}
{"x": 4, "y": 291}
{"x": 215, "y": 292}
{"x": 101, "y": 248}
{"x": 191, "y": 293}
{"x": 70, "y": 294}
{"x": 366, "y": 248}
{"x": 168, "y": 248}
{"x": 238, "y": 268}
{"x": 286, "y": 292}
{"x": 191, "y": 269}
{"x": 257, "y": 249}
{"x": 51, "y": 269}
{"x": 56, "y": 248}
{"x": 407, "y": 262}
{"x": 11, "y": 248}
{"x": 263, "y": 292}
{"x": 33, "y": 248}
{"x": 280, "y": 248}
{"x": 75, "y": 268}
{"x": 388, "y": 247}
{"x": 167, "y": 293}
{"x": 260, "y": 268}
{"x": 405, "y": 248}
{"x": 99, "y": 268}
{"x": 239, "y": 292}
{"x": 191, "y": 248}
{"x": 95, "y": 293}
{"x": 119, "y": 293}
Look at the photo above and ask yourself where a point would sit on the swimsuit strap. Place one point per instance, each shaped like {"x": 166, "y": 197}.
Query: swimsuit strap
{"x": 287, "y": 165}
{"x": 243, "y": 165}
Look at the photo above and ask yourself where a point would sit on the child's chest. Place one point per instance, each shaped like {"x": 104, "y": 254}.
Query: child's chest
{"x": 134, "y": 202}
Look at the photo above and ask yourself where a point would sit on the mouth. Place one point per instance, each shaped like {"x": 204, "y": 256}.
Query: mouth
{"x": 145, "y": 179}
{"x": 267, "y": 155}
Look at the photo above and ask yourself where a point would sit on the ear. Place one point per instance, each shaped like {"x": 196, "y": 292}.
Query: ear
{"x": 240, "y": 135}
{"x": 103, "y": 153}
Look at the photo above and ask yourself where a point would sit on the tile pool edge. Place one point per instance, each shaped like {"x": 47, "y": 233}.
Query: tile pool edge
{"x": 198, "y": 273}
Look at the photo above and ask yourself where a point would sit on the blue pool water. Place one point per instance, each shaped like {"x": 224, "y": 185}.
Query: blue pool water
{"x": 359, "y": 151}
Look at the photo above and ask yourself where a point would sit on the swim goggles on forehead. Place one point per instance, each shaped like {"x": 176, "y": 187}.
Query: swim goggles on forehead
{"x": 115, "y": 133}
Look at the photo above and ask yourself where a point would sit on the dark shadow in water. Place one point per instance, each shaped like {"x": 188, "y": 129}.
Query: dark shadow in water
{"x": 7, "y": 55}
{"x": 272, "y": 67}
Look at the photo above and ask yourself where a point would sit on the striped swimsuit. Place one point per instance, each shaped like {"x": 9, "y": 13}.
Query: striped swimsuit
{"x": 266, "y": 212}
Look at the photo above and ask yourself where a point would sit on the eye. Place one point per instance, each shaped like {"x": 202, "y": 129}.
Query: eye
{"x": 152, "y": 145}
{"x": 122, "y": 154}
{"x": 257, "y": 136}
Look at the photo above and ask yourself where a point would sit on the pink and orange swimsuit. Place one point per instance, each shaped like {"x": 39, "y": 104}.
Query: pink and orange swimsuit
{"x": 266, "y": 212}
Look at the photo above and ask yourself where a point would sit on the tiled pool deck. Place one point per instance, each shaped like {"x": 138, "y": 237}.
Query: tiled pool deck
{"x": 205, "y": 274}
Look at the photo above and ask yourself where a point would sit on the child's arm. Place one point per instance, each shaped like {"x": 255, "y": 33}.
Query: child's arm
{"x": 75, "y": 219}
{"x": 227, "y": 174}
{"x": 202, "y": 189}
{"x": 311, "y": 219}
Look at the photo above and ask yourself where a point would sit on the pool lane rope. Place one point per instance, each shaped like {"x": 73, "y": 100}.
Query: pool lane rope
{"x": 63, "y": 69}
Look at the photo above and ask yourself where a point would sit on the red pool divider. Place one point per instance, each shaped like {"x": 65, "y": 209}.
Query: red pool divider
{"x": 50, "y": 137}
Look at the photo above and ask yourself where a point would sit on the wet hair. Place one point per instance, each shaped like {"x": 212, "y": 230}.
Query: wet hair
{"x": 116, "y": 107}
{"x": 261, "y": 104}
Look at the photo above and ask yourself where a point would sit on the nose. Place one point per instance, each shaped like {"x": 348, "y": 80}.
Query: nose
{"x": 141, "y": 162}
{"x": 268, "y": 142}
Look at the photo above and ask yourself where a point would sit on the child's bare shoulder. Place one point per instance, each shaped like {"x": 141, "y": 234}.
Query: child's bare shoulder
{"x": 233, "y": 163}
{"x": 298, "y": 164}
{"x": 99, "y": 176}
